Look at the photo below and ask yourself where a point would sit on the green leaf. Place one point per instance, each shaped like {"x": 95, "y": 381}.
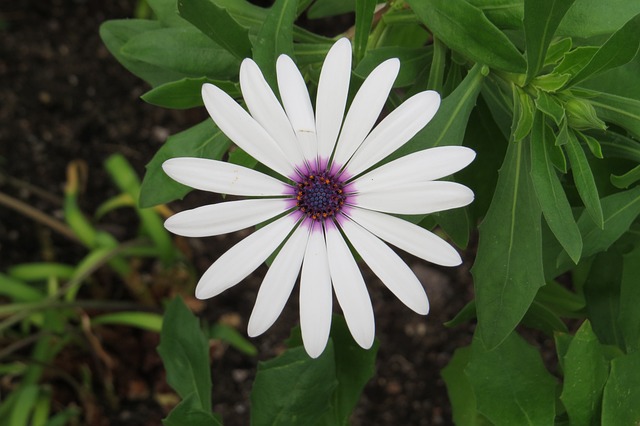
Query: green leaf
{"x": 620, "y": 81}
{"x": 616, "y": 145}
{"x": 413, "y": 60}
{"x": 574, "y": 61}
{"x": 589, "y": 18}
{"x": 182, "y": 50}
{"x": 166, "y": 11}
{"x": 39, "y": 271}
{"x": 275, "y": 38}
{"x": 626, "y": 180}
{"x": 18, "y": 291}
{"x": 233, "y": 337}
{"x": 541, "y": 19}
{"x": 585, "y": 373}
{"x": 619, "y": 49}
{"x": 115, "y": 34}
{"x": 203, "y": 140}
{"x": 629, "y": 316}
{"x": 459, "y": 389}
{"x": 523, "y": 113}
{"x": 557, "y": 49}
{"x": 622, "y": 392}
{"x": 619, "y": 212}
{"x": 293, "y": 388}
{"x": 216, "y": 23}
{"x": 186, "y": 93}
{"x": 511, "y": 384}
{"x": 602, "y": 293}
{"x": 143, "y": 320}
{"x": 551, "y": 106}
{"x": 364, "y": 19}
{"x": 505, "y": 14}
{"x": 465, "y": 29}
{"x": 550, "y": 82}
{"x": 508, "y": 268}
{"x": 189, "y": 412}
{"x": 583, "y": 178}
{"x": 622, "y": 111}
{"x": 549, "y": 191}
{"x": 544, "y": 319}
{"x": 560, "y": 300}
{"x": 184, "y": 350}
{"x": 592, "y": 143}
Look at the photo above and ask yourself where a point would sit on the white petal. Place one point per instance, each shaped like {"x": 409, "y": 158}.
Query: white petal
{"x": 388, "y": 266}
{"x": 297, "y": 104}
{"x": 267, "y": 111}
{"x": 242, "y": 129}
{"x": 407, "y": 236}
{"x": 350, "y": 289}
{"x": 365, "y": 109}
{"x": 278, "y": 283}
{"x": 243, "y": 258}
{"x": 429, "y": 164}
{"x": 395, "y": 130}
{"x": 222, "y": 218}
{"x": 222, "y": 177}
{"x": 315, "y": 295}
{"x": 331, "y": 100}
{"x": 416, "y": 198}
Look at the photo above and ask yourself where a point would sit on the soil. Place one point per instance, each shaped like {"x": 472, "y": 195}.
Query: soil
{"x": 63, "y": 99}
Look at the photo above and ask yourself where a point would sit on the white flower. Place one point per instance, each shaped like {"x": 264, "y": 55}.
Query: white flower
{"x": 327, "y": 194}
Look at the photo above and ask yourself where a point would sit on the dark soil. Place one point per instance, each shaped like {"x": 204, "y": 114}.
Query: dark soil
{"x": 64, "y": 98}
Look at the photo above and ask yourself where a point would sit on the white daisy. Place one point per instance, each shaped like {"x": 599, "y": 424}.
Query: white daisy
{"x": 327, "y": 194}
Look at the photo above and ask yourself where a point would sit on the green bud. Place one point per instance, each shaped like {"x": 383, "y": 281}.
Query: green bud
{"x": 582, "y": 116}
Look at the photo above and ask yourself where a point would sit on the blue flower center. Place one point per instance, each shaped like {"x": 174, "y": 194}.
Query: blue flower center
{"x": 320, "y": 196}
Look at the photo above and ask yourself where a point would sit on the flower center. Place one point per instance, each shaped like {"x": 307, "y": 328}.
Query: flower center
{"x": 320, "y": 196}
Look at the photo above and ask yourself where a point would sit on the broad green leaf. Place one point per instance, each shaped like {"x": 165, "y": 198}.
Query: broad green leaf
{"x": 583, "y": 178}
{"x": 203, "y": 140}
{"x": 508, "y": 268}
{"x": 275, "y": 38}
{"x": 622, "y": 111}
{"x": 620, "y": 81}
{"x": 541, "y": 19}
{"x": 465, "y": 29}
{"x": 523, "y": 113}
{"x": 560, "y": 300}
{"x": 589, "y": 18}
{"x": 216, "y": 23}
{"x": 602, "y": 293}
{"x": 549, "y": 191}
{"x": 585, "y": 373}
{"x": 505, "y": 14}
{"x": 550, "y": 105}
{"x": 511, "y": 384}
{"x": 143, "y": 320}
{"x": 629, "y": 317}
{"x": 619, "y": 49}
{"x": 354, "y": 367}
{"x": 592, "y": 144}
{"x": 619, "y": 212}
{"x": 574, "y": 61}
{"x": 189, "y": 412}
{"x": 562, "y": 341}
{"x": 186, "y": 93}
{"x": 459, "y": 389}
{"x": 413, "y": 61}
{"x": 184, "y": 350}
{"x": 438, "y": 64}
{"x": 117, "y": 33}
{"x": 622, "y": 392}
{"x": 293, "y": 388}
{"x": 626, "y": 180}
{"x": 183, "y": 50}
{"x": 364, "y": 19}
